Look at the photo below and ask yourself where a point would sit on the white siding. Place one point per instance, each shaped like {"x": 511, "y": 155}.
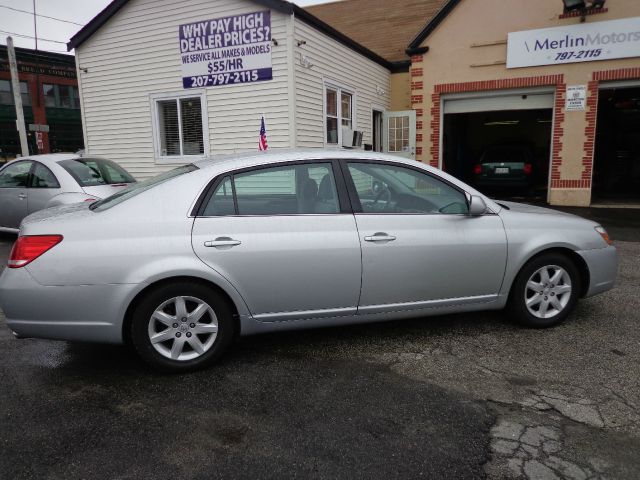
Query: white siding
{"x": 332, "y": 61}
{"x": 136, "y": 53}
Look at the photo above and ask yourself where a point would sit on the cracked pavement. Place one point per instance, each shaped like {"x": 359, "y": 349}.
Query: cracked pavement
{"x": 461, "y": 396}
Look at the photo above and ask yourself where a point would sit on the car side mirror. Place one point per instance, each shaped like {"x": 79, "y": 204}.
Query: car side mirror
{"x": 477, "y": 206}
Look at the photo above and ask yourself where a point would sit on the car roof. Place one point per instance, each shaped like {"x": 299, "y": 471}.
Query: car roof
{"x": 239, "y": 160}
{"x": 49, "y": 158}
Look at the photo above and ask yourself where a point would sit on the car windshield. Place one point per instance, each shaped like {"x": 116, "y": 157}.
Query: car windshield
{"x": 137, "y": 188}
{"x": 93, "y": 172}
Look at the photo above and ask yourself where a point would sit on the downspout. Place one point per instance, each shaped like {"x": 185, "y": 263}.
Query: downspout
{"x": 291, "y": 80}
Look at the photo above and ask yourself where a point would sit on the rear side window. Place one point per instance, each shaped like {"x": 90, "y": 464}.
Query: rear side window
{"x": 42, "y": 177}
{"x": 283, "y": 190}
{"x": 93, "y": 172}
{"x": 222, "y": 201}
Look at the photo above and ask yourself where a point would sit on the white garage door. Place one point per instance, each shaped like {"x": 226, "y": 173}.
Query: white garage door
{"x": 494, "y": 101}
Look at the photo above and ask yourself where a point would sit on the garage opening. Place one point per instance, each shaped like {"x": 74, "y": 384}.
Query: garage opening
{"x": 500, "y": 144}
{"x": 616, "y": 169}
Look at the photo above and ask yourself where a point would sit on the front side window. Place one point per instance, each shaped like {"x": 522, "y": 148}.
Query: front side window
{"x": 284, "y": 190}
{"x": 15, "y": 175}
{"x": 338, "y": 113}
{"x": 180, "y": 131}
{"x": 42, "y": 177}
{"x": 399, "y": 190}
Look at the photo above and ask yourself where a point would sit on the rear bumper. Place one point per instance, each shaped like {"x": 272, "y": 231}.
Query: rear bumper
{"x": 603, "y": 268}
{"x": 88, "y": 313}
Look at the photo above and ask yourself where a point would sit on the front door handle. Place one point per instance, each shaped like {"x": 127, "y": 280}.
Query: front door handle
{"x": 380, "y": 237}
{"x": 222, "y": 242}
{"x": 22, "y": 196}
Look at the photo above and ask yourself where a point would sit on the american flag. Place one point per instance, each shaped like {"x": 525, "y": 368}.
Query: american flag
{"x": 262, "y": 143}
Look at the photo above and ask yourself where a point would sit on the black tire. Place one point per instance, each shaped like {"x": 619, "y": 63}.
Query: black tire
{"x": 517, "y": 307}
{"x": 148, "y": 305}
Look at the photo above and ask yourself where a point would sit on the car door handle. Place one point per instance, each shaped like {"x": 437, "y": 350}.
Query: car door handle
{"x": 22, "y": 196}
{"x": 379, "y": 237}
{"x": 222, "y": 242}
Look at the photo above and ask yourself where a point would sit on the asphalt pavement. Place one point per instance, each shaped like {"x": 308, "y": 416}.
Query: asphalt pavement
{"x": 459, "y": 396}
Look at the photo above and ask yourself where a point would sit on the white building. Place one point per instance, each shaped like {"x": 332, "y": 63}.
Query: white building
{"x": 163, "y": 82}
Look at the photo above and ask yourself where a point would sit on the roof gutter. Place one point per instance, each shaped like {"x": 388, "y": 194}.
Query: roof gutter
{"x": 432, "y": 25}
{"x": 416, "y": 51}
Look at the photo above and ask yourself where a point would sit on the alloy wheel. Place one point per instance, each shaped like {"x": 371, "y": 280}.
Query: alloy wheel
{"x": 183, "y": 328}
{"x": 548, "y": 291}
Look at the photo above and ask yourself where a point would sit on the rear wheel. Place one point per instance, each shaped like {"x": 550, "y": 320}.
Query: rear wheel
{"x": 182, "y": 326}
{"x": 545, "y": 291}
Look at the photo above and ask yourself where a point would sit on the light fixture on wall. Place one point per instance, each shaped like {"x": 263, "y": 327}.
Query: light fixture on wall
{"x": 305, "y": 61}
{"x": 380, "y": 91}
{"x": 582, "y": 6}
{"x": 570, "y": 5}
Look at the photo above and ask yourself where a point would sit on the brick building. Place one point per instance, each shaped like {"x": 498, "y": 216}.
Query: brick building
{"x": 49, "y": 91}
{"x": 563, "y": 85}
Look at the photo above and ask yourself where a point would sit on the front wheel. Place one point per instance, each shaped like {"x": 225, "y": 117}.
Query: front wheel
{"x": 182, "y": 326}
{"x": 545, "y": 291}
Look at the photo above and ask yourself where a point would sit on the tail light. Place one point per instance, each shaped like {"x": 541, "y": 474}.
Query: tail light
{"x": 528, "y": 168}
{"x": 28, "y": 248}
{"x": 477, "y": 169}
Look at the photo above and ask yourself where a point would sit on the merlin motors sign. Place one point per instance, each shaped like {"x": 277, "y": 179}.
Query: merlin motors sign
{"x": 583, "y": 42}
{"x": 226, "y": 50}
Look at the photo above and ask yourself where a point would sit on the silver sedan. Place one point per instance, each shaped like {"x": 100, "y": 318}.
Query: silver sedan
{"x": 178, "y": 265}
{"x": 32, "y": 183}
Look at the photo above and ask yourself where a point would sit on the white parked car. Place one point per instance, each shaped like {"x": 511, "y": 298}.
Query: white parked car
{"x": 179, "y": 264}
{"x": 32, "y": 183}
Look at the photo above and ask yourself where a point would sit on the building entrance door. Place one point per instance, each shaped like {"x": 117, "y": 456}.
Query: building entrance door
{"x": 400, "y": 133}
{"x": 616, "y": 163}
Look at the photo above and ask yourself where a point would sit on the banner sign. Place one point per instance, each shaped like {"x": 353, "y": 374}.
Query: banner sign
{"x": 576, "y": 98}
{"x": 226, "y": 50}
{"x": 580, "y": 42}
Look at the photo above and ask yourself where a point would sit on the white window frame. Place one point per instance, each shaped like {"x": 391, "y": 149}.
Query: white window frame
{"x": 155, "y": 123}
{"x": 339, "y": 88}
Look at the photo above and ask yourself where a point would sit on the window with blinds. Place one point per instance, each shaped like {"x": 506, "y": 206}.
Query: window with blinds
{"x": 180, "y": 128}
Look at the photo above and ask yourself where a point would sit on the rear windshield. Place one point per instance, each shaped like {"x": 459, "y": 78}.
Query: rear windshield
{"x": 504, "y": 155}
{"x": 93, "y": 172}
{"x": 137, "y": 188}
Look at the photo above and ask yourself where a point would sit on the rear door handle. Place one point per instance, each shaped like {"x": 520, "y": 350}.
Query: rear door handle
{"x": 380, "y": 237}
{"x": 22, "y": 196}
{"x": 222, "y": 242}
